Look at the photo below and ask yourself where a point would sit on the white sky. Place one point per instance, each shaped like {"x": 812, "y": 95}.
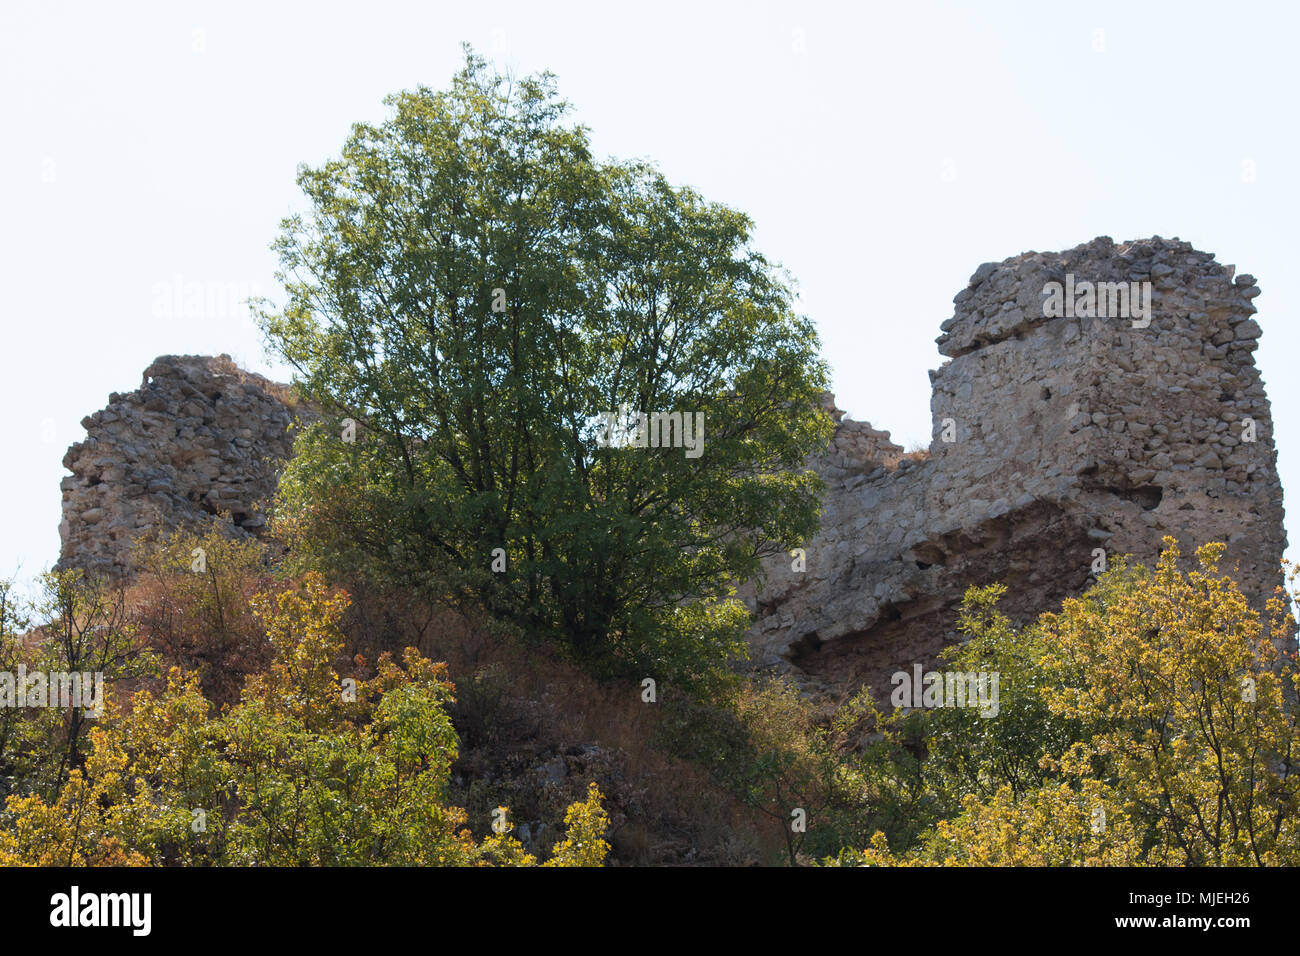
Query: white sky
{"x": 885, "y": 150}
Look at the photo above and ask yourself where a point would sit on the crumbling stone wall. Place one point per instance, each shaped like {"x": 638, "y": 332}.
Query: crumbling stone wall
{"x": 200, "y": 437}
{"x": 1066, "y": 434}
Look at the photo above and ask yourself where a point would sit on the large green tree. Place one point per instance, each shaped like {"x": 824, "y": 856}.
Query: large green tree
{"x": 473, "y": 289}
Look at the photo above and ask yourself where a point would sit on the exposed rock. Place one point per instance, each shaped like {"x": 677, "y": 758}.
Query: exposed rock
{"x": 1069, "y": 434}
{"x": 199, "y": 437}
{"x": 552, "y": 771}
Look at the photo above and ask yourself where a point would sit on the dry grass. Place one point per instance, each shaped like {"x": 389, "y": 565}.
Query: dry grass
{"x": 519, "y": 707}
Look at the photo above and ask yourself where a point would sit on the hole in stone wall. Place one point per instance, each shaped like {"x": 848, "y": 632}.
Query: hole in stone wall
{"x": 927, "y": 555}
{"x": 810, "y": 643}
{"x": 1148, "y": 497}
{"x": 1045, "y": 394}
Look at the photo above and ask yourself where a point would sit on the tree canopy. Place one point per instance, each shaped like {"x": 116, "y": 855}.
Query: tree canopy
{"x": 474, "y": 299}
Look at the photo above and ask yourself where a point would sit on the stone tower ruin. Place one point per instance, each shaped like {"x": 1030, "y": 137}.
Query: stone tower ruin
{"x": 1053, "y": 436}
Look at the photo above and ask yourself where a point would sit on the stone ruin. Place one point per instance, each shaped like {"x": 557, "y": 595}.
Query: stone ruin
{"x": 1064, "y": 435}
{"x": 1053, "y": 437}
{"x": 200, "y": 437}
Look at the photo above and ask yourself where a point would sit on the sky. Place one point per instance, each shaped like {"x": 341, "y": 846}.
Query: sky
{"x": 884, "y": 151}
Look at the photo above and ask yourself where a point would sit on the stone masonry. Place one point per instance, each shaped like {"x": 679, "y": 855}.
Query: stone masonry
{"x": 199, "y": 437}
{"x": 1065, "y": 435}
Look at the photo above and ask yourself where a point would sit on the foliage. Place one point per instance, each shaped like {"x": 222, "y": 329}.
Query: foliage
{"x": 472, "y": 289}
{"x": 772, "y": 749}
{"x": 923, "y": 764}
{"x": 87, "y": 630}
{"x": 13, "y": 624}
{"x": 1054, "y": 825}
{"x": 193, "y": 603}
{"x": 1152, "y": 721}
{"x": 585, "y": 825}
{"x": 305, "y": 770}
